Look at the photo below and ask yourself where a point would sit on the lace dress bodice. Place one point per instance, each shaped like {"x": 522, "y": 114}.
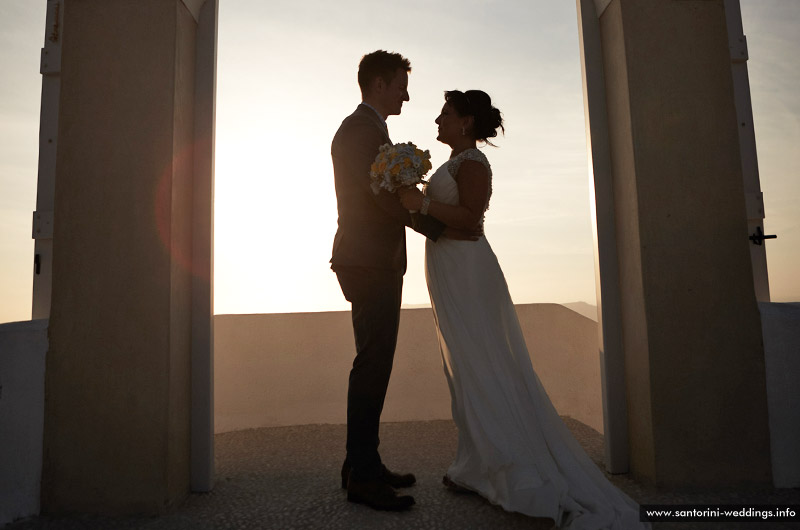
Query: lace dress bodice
{"x": 443, "y": 187}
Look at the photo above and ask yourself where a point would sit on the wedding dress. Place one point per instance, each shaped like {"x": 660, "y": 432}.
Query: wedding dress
{"x": 513, "y": 448}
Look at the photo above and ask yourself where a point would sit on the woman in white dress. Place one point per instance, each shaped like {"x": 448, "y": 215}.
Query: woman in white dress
{"x": 513, "y": 448}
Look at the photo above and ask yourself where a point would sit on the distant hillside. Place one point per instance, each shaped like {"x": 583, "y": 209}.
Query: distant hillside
{"x": 582, "y": 308}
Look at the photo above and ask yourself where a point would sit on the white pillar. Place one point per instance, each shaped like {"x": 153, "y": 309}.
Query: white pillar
{"x": 202, "y": 476}
{"x": 612, "y": 361}
{"x": 50, "y": 69}
{"x": 691, "y": 334}
{"x": 122, "y": 333}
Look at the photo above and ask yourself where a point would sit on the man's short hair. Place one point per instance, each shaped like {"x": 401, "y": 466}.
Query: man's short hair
{"x": 381, "y": 64}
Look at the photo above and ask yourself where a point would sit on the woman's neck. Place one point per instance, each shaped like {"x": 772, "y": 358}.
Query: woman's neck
{"x": 461, "y": 147}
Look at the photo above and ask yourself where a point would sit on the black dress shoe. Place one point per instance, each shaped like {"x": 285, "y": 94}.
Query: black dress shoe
{"x": 395, "y": 480}
{"x": 378, "y": 495}
{"x": 398, "y": 480}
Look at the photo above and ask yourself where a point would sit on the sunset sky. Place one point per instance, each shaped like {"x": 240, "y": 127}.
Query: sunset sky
{"x": 286, "y": 79}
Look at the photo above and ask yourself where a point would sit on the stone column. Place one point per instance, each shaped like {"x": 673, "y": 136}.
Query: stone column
{"x": 691, "y": 333}
{"x": 117, "y": 411}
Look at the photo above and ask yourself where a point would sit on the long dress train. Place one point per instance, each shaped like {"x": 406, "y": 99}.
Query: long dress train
{"x": 513, "y": 448}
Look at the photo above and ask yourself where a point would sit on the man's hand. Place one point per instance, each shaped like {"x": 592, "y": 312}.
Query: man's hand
{"x": 411, "y": 198}
{"x": 462, "y": 235}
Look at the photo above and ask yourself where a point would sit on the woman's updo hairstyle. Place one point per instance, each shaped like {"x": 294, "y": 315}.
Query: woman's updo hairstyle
{"x": 478, "y": 104}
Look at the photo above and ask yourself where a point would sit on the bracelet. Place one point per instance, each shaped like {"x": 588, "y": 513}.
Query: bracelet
{"x": 426, "y": 203}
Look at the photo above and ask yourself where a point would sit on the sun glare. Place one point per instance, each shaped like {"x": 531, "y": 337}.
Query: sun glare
{"x": 275, "y": 220}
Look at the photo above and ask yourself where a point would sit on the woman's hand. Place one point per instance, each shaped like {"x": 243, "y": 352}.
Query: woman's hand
{"x": 411, "y": 198}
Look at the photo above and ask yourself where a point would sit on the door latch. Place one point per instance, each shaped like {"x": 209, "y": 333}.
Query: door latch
{"x": 758, "y": 237}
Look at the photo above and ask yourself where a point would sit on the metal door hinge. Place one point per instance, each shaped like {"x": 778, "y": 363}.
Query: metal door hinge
{"x": 738, "y": 47}
{"x": 51, "y": 60}
{"x": 42, "y": 225}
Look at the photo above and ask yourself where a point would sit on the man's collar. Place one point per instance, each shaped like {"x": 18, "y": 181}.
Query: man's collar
{"x": 376, "y": 112}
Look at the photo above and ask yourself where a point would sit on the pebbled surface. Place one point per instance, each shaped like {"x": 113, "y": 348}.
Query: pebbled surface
{"x": 288, "y": 478}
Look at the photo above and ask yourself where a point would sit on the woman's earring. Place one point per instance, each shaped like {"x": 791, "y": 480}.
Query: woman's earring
{"x": 463, "y": 131}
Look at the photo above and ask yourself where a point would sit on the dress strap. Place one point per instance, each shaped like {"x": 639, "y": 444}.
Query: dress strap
{"x": 468, "y": 154}
{"x": 471, "y": 154}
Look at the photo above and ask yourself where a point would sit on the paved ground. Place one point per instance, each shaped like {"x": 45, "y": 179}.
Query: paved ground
{"x": 288, "y": 478}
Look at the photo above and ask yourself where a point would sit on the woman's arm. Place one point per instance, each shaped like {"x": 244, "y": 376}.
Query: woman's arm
{"x": 473, "y": 190}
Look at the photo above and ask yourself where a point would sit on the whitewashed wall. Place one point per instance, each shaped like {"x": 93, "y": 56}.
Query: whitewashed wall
{"x": 781, "y": 326}
{"x": 23, "y": 346}
{"x": 289, "y": 369}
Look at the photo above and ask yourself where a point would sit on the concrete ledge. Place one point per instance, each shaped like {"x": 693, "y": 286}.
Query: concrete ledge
{"x": 292, "y": 369}
{"x": 23, "y": 346}
{"x": 781, "y": 328}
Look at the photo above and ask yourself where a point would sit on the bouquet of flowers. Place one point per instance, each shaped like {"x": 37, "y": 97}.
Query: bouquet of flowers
{"x": 398, "y": 166}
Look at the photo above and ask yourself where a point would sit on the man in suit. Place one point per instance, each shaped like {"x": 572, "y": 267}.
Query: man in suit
{"x": 369, "y": 259}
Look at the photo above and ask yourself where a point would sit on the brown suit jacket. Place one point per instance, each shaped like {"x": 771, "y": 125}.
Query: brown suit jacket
{"x": 371, "y": 230}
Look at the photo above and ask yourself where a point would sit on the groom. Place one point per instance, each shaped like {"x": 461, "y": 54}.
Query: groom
{"x": 369, "y": 259}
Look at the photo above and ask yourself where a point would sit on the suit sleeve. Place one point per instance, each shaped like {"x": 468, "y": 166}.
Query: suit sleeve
{"x": 365, "y": 142}
{"x": 426, "y": 225}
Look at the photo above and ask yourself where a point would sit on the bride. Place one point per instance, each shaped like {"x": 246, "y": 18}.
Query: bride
{"x": 513, "y": 448}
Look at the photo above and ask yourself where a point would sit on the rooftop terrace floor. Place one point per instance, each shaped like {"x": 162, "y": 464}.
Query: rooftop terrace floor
{"x": 288, "y": 478}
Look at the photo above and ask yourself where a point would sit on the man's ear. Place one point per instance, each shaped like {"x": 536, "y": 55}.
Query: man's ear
{"x": 378, "y": 85}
